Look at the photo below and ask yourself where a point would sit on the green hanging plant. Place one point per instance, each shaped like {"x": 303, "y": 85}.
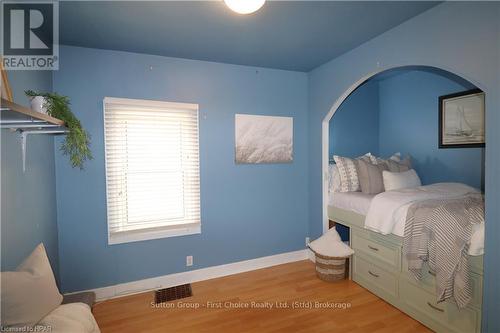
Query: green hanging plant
{"x": 77, "y": 142}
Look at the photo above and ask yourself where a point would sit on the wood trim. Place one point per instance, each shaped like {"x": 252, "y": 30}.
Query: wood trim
{"x": 5, "y": 82}
{"x": 30, "y": 113}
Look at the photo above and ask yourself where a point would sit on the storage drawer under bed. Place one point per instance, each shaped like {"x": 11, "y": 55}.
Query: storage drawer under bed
{"x": 428, "y": 282}
{"x": 384, "y": 252}
{"x": 375, "y": 276}
{"x": 445, "y": 313}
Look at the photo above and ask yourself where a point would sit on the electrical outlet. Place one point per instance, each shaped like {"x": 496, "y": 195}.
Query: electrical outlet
{"x": 189, "y": 261}
{"x": 307, "y": 241}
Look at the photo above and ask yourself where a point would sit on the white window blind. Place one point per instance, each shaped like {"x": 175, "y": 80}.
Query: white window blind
{"x": 152, "y": 169}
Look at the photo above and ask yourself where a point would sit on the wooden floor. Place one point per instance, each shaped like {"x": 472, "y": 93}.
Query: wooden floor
{"x": 347, "y": 307}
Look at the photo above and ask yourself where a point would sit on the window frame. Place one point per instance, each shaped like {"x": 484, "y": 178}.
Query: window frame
{"x": 158, "y": 232}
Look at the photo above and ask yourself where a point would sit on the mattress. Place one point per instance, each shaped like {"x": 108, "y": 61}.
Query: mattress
{"x": 357, "y": 202}
{"x": 360, "y": 203}
{"x": 388, "y": 210}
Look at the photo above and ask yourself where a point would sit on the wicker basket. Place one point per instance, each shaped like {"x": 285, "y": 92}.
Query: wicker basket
{"x": 330, "y": 268}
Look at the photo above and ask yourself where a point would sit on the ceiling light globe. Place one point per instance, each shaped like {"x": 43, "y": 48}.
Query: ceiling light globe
{"x": 244, "y": 6}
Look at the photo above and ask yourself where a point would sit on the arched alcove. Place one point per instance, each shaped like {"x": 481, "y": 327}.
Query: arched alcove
{"x": 363, "y": 82}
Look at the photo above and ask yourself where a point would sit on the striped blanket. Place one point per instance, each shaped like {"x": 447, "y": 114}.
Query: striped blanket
{"x": 438, "y": 232}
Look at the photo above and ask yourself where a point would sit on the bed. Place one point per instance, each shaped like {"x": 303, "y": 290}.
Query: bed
{"x": 356, "y": 202}
{"x": 385, "y": 213}
{"x": 376, "y": 224}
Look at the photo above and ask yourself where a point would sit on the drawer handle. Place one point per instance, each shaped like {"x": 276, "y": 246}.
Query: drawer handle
{"x": 432, "y": 273}
{"x": 373, "y": 274}
{"x": 372, "y": 248}
{"x": 435, "y": 307}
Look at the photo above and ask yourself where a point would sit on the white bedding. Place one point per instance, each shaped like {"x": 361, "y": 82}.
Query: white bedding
{"x": 386, "y": 212}
{"x": 357, "y": 202}
{"x": 388, "y": 209}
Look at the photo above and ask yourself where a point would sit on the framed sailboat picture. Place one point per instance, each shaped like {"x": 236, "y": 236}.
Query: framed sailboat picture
{"x": 462, "y": 120}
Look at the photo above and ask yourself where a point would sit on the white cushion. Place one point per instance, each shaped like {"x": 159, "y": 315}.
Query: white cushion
{"x": 333, "y": 178}
{"x": 29, "y": 293}
{"x": 72, "y": 317}
{"x": 348, "y": 171}
{"x": 401, "y": 166}
{"x": 373, "y": 158}
{"x": 368, "y": 157}
{"x": 396, "y": 157}
{"x": 400, "y": 180}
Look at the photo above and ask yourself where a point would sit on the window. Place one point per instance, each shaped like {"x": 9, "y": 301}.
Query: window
{"x": 152, "y": 169}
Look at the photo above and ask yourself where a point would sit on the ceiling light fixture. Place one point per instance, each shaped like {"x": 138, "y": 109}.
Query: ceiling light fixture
{"x": 244, "y": 6}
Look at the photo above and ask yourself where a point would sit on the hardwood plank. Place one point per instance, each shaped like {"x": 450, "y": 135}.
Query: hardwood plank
{"x": 289, "y": 284}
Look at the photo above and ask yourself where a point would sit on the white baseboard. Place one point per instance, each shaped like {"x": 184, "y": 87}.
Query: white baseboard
{"x": 310, "y": 255}
{"x": 171, "y": 280}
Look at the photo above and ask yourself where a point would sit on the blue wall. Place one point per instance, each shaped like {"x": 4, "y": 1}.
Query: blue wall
{"x": 28, "y": 199}
{"x": 436, "y": 38}
{"x": 397, "y": 111}
{"x": 354, "y": 128}
{"x": 409, "y": 123}
{"x": 247, "y": 211}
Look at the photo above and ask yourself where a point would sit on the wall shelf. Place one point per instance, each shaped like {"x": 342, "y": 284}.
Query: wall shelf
{"x": 28, "y": 122}
{"x": 16, "y": 116}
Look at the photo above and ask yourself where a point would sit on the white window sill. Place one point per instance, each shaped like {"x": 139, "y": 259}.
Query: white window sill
{"x": 137, "y": 236}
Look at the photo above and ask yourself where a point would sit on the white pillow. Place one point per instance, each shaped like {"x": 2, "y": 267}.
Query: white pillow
{"x": 72, "y": 317}
{"x": 333, "y": 178}
{"x": 29, "y": 293}
{"x": 368, "y": 157}
{"x": 400, "y": 180}
{"x": 348, "y": 171}
{"x": 396, "y": 157}
{"x": 373, "y": 158}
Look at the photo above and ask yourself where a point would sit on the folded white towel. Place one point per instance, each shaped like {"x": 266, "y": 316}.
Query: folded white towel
{"x": 331, "y": 245}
